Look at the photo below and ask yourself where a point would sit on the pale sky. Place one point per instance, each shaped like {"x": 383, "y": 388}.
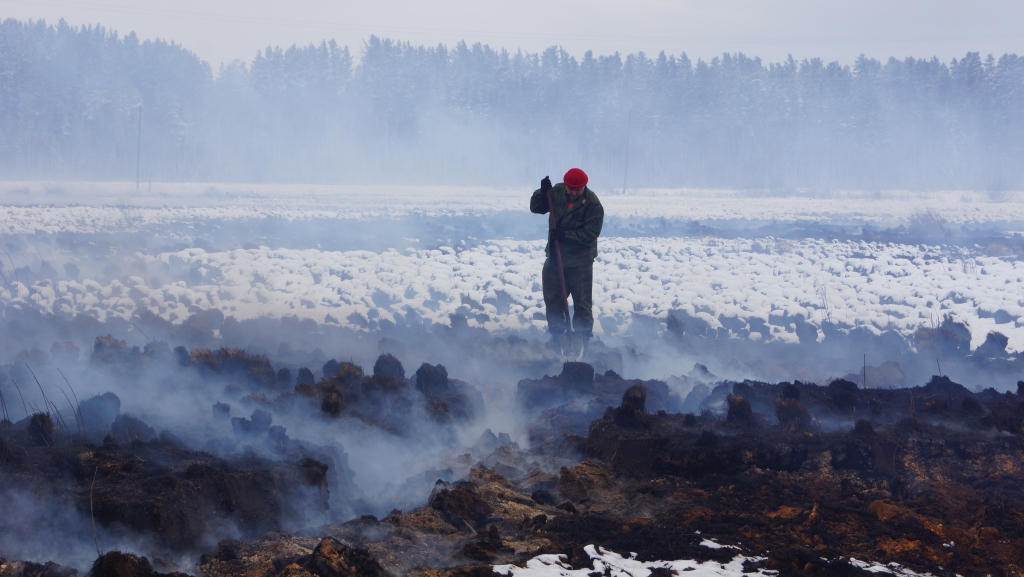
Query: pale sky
{"x": 220, "y": 31}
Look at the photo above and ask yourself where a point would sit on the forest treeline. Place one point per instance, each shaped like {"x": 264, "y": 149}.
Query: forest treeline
{"x": 70, "y": 100}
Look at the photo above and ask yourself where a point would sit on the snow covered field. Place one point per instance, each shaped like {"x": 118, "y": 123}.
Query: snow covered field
{"x": 752, "y": 288}
{"x": 764, "y": 284}
{"x": 28, "y": 208}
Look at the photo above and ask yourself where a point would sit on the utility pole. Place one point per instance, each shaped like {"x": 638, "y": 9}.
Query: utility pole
{"x": 138, "y": 151}
{"x": 625, "y": 171}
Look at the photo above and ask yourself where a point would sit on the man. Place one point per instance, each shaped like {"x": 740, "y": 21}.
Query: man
{"x": 577, "y": 224}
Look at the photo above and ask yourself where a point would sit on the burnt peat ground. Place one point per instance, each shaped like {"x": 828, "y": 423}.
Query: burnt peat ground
{"x": 805, "y": 477}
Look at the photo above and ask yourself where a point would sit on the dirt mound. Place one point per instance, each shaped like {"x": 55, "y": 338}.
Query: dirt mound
{"x": 568, "y": 403}
{"x": 332, "y": 404}
{"x": 387, "y": 401}
{"x": 118, "y": 564}
{"x": 841, "y": 402}
{"x": 431, "y": 380}
{"x": 333, "y": 559}
{"x": 792, "y": 416}
{"x": 281, "y": 555}
{"x": 635, "y": 398}
{"x": 128, "y": 428}
{"x": 578, "y": 380}
{"x": 41, "y": 429}
{"x": 99, "y": 412}
{"x": 174, "y": 495}
{"x": 117, "y": 357}
{"x": 114, "y": 352}
{"x": 388, "y": 365}
{"x": 30, "y": 569}
{"x": 459, "y": 504}
{"x": 256, "y": 370}
{"x": 487, "y": 547}
{"x": 384, "y": 399}
{"x": 256, "y": 425}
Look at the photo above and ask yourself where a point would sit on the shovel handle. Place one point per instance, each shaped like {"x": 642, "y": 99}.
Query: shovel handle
{"x": 558, "y": 261}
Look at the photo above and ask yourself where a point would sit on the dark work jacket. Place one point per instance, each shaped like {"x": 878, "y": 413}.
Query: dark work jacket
{"x": 582, "y": 224}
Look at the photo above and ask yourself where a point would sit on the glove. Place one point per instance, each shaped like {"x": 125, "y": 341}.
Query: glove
{"x": 545, "y": 185}
{"x": 556, "y": 234}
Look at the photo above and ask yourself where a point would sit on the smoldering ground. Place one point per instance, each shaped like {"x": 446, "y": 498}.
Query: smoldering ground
{"x": 171, "y": 469}
{"x": 290, "y": 420}
{"x": 224, "y": 413}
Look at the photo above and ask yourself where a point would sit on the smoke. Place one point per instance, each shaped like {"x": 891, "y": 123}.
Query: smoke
{"x": 212, "y": 331}
{"x": 218, "y": 345}
{"x": 390, "y": 471}
{"x": 45, "y": 527}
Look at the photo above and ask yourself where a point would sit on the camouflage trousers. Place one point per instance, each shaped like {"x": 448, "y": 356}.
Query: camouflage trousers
{"x": 579, "y": 284}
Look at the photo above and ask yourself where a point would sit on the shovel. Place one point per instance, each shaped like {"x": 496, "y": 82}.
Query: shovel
{"x": 561, "y": 279}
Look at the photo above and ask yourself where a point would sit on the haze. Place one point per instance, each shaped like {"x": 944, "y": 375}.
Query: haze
{"x": 221, "y": 31}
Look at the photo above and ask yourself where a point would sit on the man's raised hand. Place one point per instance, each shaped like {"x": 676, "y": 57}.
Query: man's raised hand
{"x": 545, "y": 184}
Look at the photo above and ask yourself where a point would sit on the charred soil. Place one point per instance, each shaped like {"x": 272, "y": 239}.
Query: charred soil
{"x": 801, "y": 477}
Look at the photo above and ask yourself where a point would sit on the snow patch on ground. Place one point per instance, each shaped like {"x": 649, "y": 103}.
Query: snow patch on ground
{"x": 756, "y": 289}
{"x": 710, "y": 544}
{"x": 614, "y": 565}
{"x": 890, "y": 569}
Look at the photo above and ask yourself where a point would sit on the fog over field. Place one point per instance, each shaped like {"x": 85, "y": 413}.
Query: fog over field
{"x": 88, "y": 103}
{"x": 319, "y": 265}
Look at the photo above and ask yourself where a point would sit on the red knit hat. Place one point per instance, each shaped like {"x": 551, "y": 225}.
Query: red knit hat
{"x": 575, "y": 178}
